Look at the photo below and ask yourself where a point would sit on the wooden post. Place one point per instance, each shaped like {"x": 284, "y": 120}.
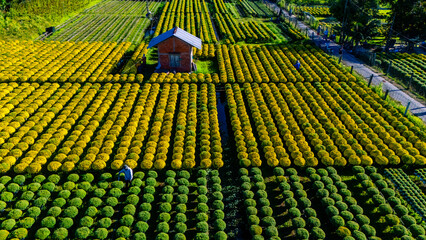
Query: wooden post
{"x": 371, "y": 79}
{"x": 390, "y": 64}
{"x": 411, "y": 80}
{"x": 386, "y": 94}
{"x": 406, "y": 109}
{"x": 352, "y": 69}
{"x": 340, "y": 59}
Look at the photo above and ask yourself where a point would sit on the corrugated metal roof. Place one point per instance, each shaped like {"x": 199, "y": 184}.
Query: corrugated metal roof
{"x": 179, "y": 33}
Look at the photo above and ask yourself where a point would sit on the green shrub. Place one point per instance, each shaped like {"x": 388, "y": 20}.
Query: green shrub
{"x": 180, "y": 217}
{"x": 111, "y": 201}
{"x": 416, "y": 230}
{"x": 19, "y": 179}
{"x": 268, "y": 221}
{"x": 337, "y": 221}
{"x": 76, "y": 202}
{"x": 105, "y": 222}
{"x": 163, "y": 227}
{"x": 103, "y": 184}
{"x": 140, "y": 236}
{"x": 40, "y": 202}
{"x": 132, "y": 199}
{"x": 221, "y": 235}
{"x": 85, "y": 186}
{"x": 80, "y": 193}
{"x": 129, "y": 209}
{"x": 115, "y": 192}
{"x": 15, "y": 213}
{"x": 271, "y": 231}
{"x": 400, "y": 210}
{"x": 66, "y": 222}
{"x": 73, "y": 177}
{"x": 253, "y": 220}
{"x": 202, "y": 227}
{"x": 302, "y": 233}
{"x": 352, "y": 225}
{"x": 362, "y": 219}
{"x": 88, "y": 177}
{"x": 127, "y": 220}
{"x": 317, "y": 233}
{"x": 408, "y": 220}
{"x": 20, "y": 233}
{"x": 64, "y": 194}
{"x": 49, "y": 186}
{"x": 106, "y": 176}
{"x": 107, "y": 211}
{"x": 181, "y": 208}
{"x": 142, "y": 226}
{"x": 117, "y": 184}
{"x": 48, "y": 222}
{"x": 347, "y": 215}
{"x": 165, "y": 207}
{"x": 216, "y": 187}
{"x": 310, "y": 212}
{"x": 60, "y": 233}
{"x": 22, "y": 204}
{"x": 167, "y": 198}
{"x": 358, "y": 235}
{"x": 34, "y": 187}
{"x": 33, "y": 212}
{"x": 313, "y": 222}
{"x": 150, "y": 181}
{"x": 54, "y": 178}
{"x": 54, "y": 211}
{"x": 6, "y": 196}
{"x": 91, "y": 211}
{"x": 82, "y": 232}
{"x": 356, "y": 209}
{"x": 123, "y": 231}
{"x": 27, "y": 222}
{"x": 148, "y": 198}
{"x": 368, "y": 229}
{"x": 44, "y": 193}
{"x": 134, "y": 190}
{"x": 8, "y": 224}
{"x": 164, "y": 217}
{"x": 399, "y": 230}
{"x": 294, "y": 212}
{"x": 170, "y": 181}
{"x": 146, "y": 207}
{"x": 162, "y": 236}
{"x": 101, "y": 233}
{"x": 42, "y": 233}
{"x": 298, "y": 222}
{"x": 202, "y": 190}
{"x": 144, "y": 215}
{"x": 95, "y": 202}
{"x": 59, "y": 202}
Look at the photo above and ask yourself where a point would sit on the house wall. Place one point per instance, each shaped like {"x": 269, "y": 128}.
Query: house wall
{"x": 175, "y": 45}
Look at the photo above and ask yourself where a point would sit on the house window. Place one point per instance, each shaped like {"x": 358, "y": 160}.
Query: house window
{"x": 174, "y": 59}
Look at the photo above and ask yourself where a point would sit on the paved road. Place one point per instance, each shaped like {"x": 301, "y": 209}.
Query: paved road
{"x": 416, "y": 108}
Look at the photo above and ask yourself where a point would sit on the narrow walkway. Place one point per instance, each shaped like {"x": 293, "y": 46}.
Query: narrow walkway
{"x": 416, "y": 108}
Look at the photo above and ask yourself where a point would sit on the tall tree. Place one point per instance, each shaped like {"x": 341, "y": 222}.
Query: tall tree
{"x": 410, "y": 18}
{"x": 357, "y": 18}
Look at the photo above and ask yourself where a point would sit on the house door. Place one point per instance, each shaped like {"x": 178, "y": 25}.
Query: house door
{"x": 174, "y": 60}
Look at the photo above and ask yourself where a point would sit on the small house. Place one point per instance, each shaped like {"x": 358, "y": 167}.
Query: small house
{"x": 175, "y": 49}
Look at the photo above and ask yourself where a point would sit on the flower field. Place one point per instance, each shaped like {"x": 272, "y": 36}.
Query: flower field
{"x": 108, "y": 21}
{"x": 28, "y": 61}
{"x": 317, "y": 11}
{"x": 192, "y": 16}
{"x": 65, "y": 130}
{"x": 410, "y": 68}
{"x": 246, "y": 147}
